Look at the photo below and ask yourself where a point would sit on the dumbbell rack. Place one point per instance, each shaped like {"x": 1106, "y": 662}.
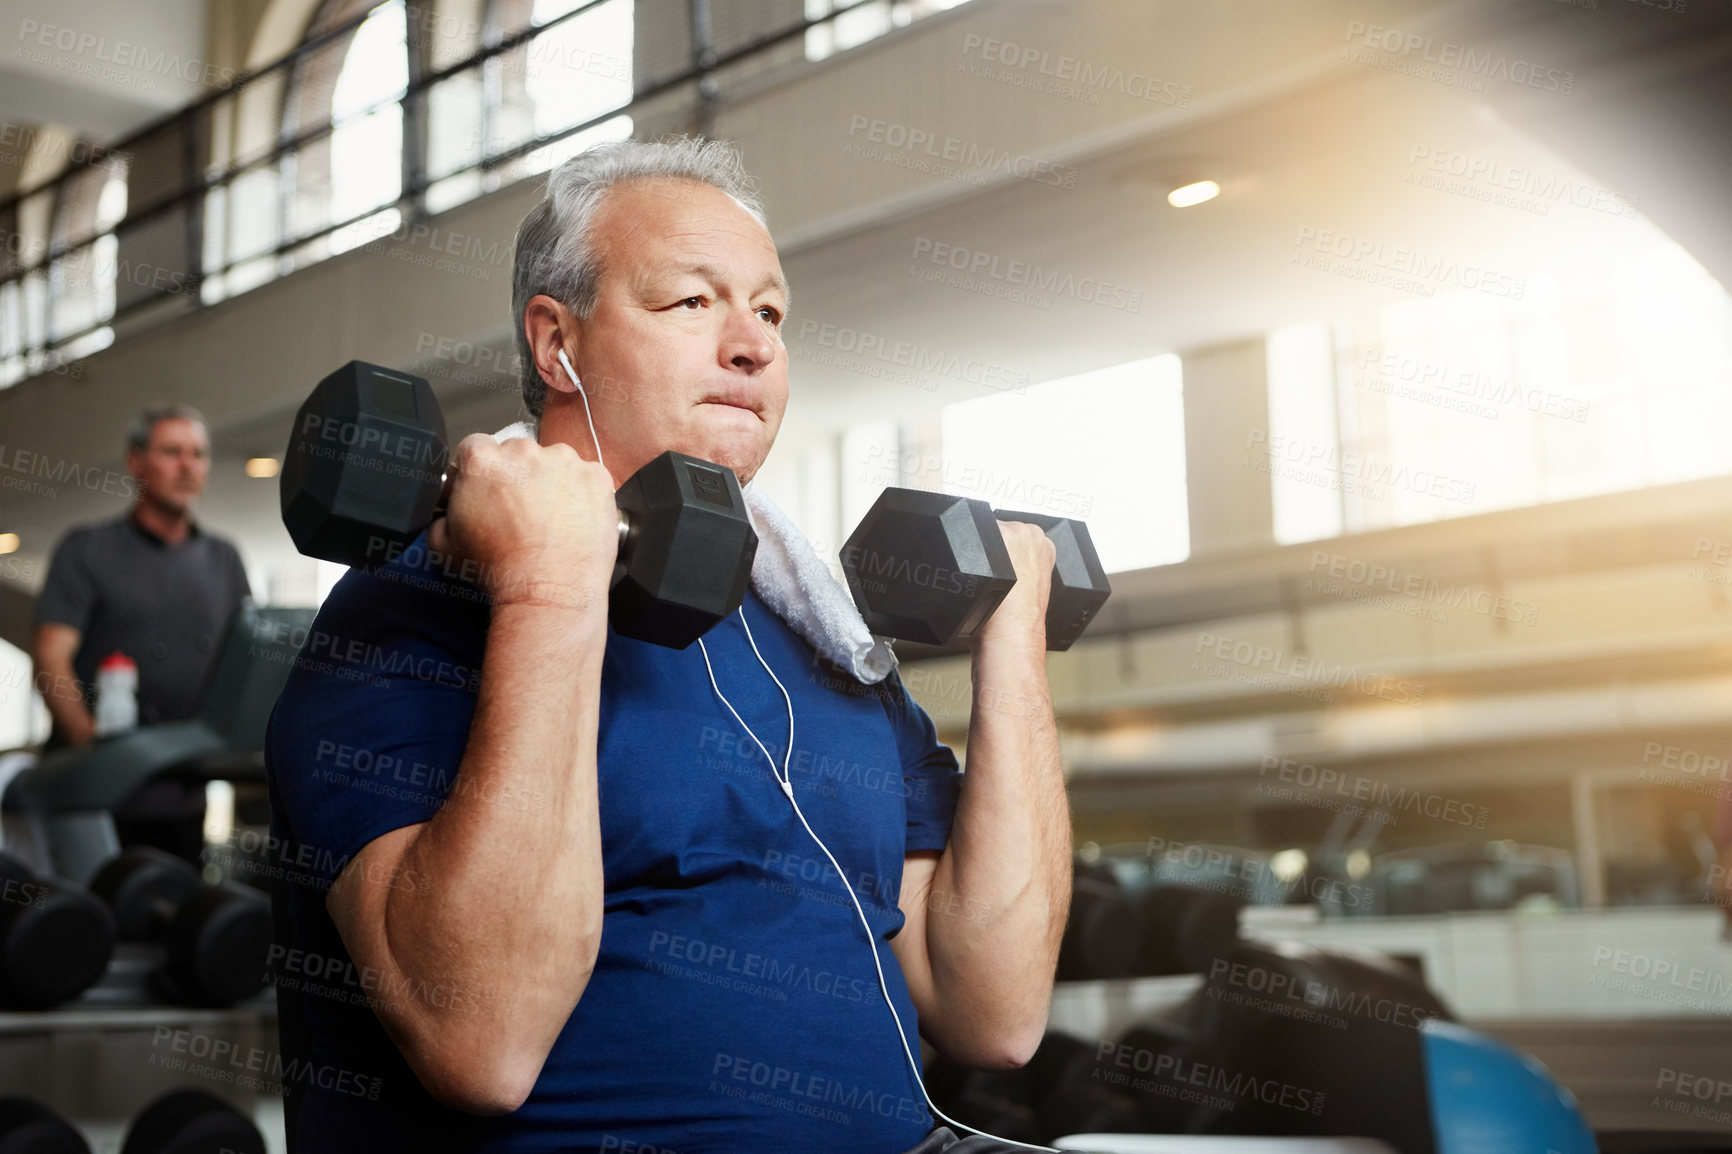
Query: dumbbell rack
{"x": 99, "y": 1059}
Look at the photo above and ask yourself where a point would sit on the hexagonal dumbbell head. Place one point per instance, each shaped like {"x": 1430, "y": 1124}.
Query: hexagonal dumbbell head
{"x": 686, "y": 561}
{"x": 927, "y": 567}
{"x": 1079, "y": 584}
{"x": 364, "y": 465}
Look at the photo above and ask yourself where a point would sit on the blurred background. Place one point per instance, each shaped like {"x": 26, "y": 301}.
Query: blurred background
{"x": 1383, "y": 344}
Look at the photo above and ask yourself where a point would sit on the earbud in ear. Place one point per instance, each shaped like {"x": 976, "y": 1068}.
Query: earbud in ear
{"x": 569, "y": 371}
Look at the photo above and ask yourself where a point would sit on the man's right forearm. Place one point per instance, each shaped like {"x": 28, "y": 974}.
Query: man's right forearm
{"x": 64, "y": 698}
{"x": 499, "y": 899}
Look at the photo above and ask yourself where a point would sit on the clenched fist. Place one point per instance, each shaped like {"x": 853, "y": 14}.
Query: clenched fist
{"x": 538, "y": 521}
{"x": 1022, "y": 615}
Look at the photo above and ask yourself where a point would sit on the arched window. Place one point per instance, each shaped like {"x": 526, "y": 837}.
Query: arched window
{"x": 81, "y": 283}
{"x": 353, "y": 83}
{"x": 75, "y": 295}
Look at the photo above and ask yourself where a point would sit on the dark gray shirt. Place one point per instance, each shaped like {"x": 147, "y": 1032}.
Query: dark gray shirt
{"x": 165, "y": 606}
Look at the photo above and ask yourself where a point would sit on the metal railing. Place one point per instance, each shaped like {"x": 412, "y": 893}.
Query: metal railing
{"x": 34, "y": 292}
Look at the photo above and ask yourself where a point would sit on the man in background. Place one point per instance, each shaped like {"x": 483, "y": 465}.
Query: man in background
{"x": 155, "y": 586}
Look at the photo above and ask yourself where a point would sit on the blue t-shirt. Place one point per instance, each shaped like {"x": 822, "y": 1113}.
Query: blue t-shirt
{"x": 734, "y": 1005}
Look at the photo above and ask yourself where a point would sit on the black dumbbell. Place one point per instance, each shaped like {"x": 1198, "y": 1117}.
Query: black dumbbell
{"x": 55, "y": 939}
{"x": 367, "y": 467}
{"x": 192, "y": 1122}
{"x": 933, "y": 568}
{"x": 1183, "y": 929}
{"x": 216, "y": 939}
{"x": 1101, "y": 938}
{"x": 29, "y": 1127}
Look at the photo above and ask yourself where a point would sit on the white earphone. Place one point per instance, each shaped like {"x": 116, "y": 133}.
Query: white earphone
{"x": 787, "y": 786}
{"x": 565, "y": 362}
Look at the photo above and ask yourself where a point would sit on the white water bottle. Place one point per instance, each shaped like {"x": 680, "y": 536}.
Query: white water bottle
{"x": 116, "y": 695}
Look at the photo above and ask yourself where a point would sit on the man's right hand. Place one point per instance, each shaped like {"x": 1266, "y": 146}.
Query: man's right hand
{"x": 538, "y": 522}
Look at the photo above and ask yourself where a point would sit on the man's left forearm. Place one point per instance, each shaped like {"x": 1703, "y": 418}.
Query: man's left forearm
{"x": 1001, "y": 891}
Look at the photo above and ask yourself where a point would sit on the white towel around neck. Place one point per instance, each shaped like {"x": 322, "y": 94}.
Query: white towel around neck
{"x": 798, "y": 587}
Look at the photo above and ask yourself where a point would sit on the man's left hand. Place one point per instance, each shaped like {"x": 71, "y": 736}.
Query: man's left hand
{"x": 1022, "y": 616}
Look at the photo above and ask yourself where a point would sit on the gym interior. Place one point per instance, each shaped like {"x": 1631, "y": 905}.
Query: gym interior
{"x": 1383, "y": 346}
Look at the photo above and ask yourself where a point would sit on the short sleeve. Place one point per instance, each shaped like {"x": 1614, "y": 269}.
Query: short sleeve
{"x": 370, "y": 729}
{"x": 69, "y": 593}
{"x": 932, "y": 780}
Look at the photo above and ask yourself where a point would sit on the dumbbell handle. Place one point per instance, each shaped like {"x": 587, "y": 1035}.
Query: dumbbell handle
{"x": 449, "y": 477}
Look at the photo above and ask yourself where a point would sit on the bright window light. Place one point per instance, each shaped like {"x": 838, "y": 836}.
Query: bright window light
{"x": 1467, "y": 403}
{"x": 367, "y": 149}
{"x": 1107, "y": 447}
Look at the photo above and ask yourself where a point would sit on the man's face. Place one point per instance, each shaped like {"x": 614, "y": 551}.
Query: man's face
{"x": 684, "y": 349}
{"x": 172, "y": 468}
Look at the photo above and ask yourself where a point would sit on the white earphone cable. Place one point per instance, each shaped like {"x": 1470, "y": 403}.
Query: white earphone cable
{"x": 594, "y": 440}
{"x": 784, "y": 781}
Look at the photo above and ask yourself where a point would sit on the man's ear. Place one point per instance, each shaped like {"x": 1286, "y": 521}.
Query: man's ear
{"x": 550, "y": 327}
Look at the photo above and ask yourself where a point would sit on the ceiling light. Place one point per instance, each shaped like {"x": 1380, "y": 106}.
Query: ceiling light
{"x": 1196, "y": 193}
{"x": 261, "y": 466}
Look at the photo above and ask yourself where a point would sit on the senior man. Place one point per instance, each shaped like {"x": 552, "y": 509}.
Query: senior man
{"x": 554, "y": 896}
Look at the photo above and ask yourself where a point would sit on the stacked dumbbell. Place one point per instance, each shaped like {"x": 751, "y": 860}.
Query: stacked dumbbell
{"x": 29, "y": 1127}
{"x": 933, "y": 568}
{"x": 1115, "y": 932}
{"x": 367, "y": 470}
{"x": 192, "y": 1122}
{"x": 213, "y": 941}
{"x": 179, "y": 1122}
{"x": 55, "y": 939}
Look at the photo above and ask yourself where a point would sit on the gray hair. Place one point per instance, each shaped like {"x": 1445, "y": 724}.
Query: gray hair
{"x": 138, "y": 433}
{"x": 555, "y": 254}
